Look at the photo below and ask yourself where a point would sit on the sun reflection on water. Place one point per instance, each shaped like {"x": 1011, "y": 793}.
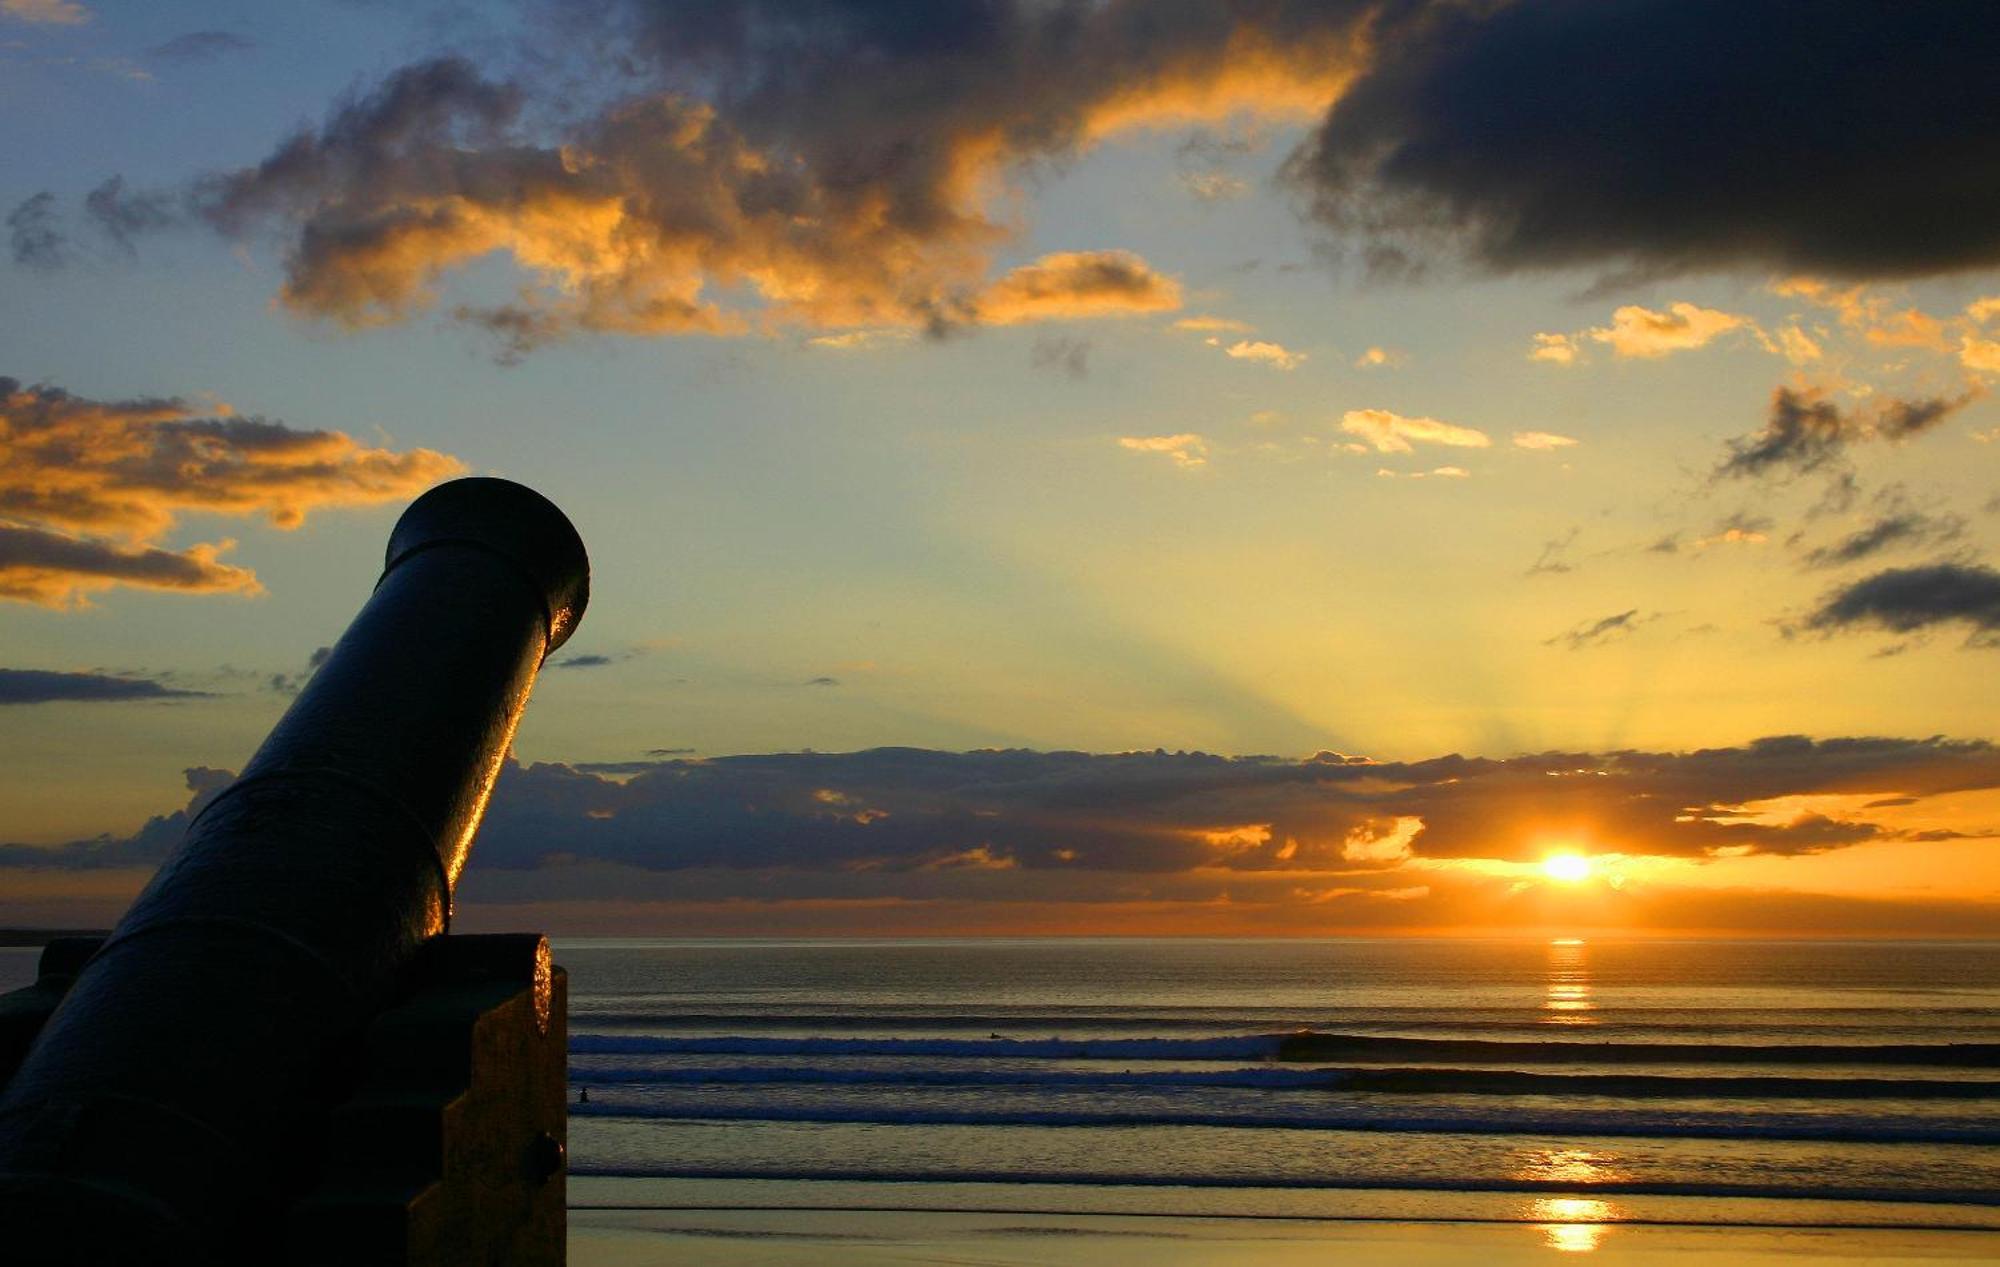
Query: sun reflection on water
{"x": 1572, "y": 1225}
{"x": 1568, "y": 1001}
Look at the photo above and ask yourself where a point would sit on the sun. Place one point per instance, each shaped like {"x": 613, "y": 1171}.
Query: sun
{"x": 1569, "y": 868}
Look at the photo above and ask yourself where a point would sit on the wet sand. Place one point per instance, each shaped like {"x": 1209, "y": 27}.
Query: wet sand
{"x": 830, "y": 1238}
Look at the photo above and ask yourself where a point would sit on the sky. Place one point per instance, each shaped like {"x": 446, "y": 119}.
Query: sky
{"x": 1048, "y": 468}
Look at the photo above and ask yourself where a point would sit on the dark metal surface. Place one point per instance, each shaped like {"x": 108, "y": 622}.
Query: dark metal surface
{"x": 170, "y": 1105}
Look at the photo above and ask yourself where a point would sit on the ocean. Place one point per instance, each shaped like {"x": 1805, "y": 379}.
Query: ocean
{"x": 1573, "y": 1083}
{"x": 1570, "y": 1085}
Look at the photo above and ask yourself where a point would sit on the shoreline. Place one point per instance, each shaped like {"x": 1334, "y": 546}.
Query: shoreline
{"x": 594, "y": 1196}
{"x": 831, "y": 1237}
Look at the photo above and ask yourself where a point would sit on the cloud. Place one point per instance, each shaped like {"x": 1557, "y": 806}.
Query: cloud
{"x": 123, "y": 215}
{"x": 823, "y": 681}
{"x": 585, "y": 662}
{"x": 33, "y": 233}
{"x": 1901, "y": 528}
{"x": 1378, "y": 358}
{"x": 1669, "y": 136}
{"x": 1061, "y": 353}
{"x": 1393, "y": 433}
{"x": 1213, "y": 325}
{"x": 201, "y": 46}
{"x": 1555, "y": 349}
{"x": 1553, "y": 560}
{"x": 1542, "y": 441}
{"x": 45, "y": 12}
{"x": 55, "y": 569}
{"x": 1798, "y": 347}
{"x": 1982, "y": 355}
{"x": 1214, "y": 186}
{"x": 889, "y": 821}
{"x": 857, "y": 340}
{"x": 1594, "y": 633}
{"x": 1274, "y": 355}
{"x": 41, "y": 686}
{"x": 1640, "y": 332}
{"x": 1188, "y": 450}
{"x": 1077, "y": 284}
{"x": 88, "y": 486}
{"x": 737, "y": 175}
{"x": 1806, "y": 432}
{"x": 293, "y": 683}
{"x": 1740, "y": 528}
{"x": 1637, "y": 332}
{"x": 149, "y": 846}
{"x": 1914, "y": 599}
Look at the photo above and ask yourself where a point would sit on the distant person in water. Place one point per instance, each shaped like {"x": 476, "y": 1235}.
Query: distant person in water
{"x": 583, "y": 1096}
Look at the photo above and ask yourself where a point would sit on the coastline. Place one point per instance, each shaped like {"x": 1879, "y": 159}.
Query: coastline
{"x": 839, "y": 1238}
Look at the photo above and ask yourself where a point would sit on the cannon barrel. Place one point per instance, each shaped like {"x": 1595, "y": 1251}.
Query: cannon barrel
{"x": 165, "y": 1110}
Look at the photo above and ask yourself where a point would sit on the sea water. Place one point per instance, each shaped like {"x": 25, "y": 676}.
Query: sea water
{"x": 1571, "y": 1083}
{"x": 1699, "y": 1080}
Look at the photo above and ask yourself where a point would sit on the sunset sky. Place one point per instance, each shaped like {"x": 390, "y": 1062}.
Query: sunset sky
{"x": 1048, "y": 467}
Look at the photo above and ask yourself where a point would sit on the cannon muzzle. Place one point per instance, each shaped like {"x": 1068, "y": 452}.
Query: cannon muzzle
{"x": 170, "y": 1106}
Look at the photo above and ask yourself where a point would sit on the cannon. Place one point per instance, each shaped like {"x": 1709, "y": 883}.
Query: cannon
{"x": 278, "y": 1054}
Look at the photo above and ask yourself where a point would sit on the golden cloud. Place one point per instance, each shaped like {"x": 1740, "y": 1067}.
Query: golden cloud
{"x": 667, "y": 215}
{"x": 1275, "y": 355}
{"x": 1393, "y": 433}
{"x": 1640, "y": 332}
{"x": 1188, "y": 450}
{"x": 88, "y": 487}
{"x": 1077, "y": 284}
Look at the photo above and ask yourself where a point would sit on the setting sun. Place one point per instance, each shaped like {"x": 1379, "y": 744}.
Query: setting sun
{"x": 1570, "y": 868}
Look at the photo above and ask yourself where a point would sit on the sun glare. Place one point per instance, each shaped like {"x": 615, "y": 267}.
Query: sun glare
{"x": 1570, "y": 868}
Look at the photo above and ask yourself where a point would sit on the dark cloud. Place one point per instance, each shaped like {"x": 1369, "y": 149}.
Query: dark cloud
{"x": 1900, "y": 529}
{"x": 724, "y": 166}
{"x": 823, "y": 681}
{"x": 123, "y": 215}
{"x": 584, "y": 662}
{"x": 1552, "y": 561}
{"x": 1069, "y": 816}
{"x": 1911, "y": 600}
{"x": 1062, "y": 354}
{"x": 149, "y": 846}
{"x": 670, "y": 752}
{"x": 40, "y": 686}
{"x": 34, "y": 233}
{"x": 1845, "y": 137}
{"x": 293, "y": 683}
{"x": 1593, "y": 633}
{"x": 201, "y": 46}
{"x": 1806, "y": 432}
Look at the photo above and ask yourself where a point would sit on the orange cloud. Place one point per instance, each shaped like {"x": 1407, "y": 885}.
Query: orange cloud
{"x": 1393, "y": 433}
{"x": 46, "y": 12}
{"x": 1275, "y": 355}
{"x": 663, "y": 214}
{"x": 1542, "y": 440}
{"x": 127, "y": 470}
{"x": 1556, "y": 349}
{"x": 54, "y": 569}
{"x": 1640, "y": 332}
{"x": 1077, "y": 284}
{"x": 1187, "y": 450}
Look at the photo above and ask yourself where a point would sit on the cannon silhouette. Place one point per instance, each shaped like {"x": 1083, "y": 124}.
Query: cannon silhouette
{"x": 279, "y": 1055}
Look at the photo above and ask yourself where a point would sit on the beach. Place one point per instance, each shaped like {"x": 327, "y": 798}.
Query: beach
{"x": 1165, "y": 1102}
{"x": 834, "y": 1238}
